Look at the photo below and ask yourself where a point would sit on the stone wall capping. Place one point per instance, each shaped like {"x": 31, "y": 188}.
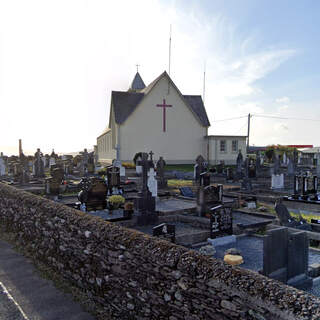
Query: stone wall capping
{"x": 133, "y": 275}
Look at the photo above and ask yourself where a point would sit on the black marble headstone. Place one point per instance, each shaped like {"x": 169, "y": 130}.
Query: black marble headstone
{"x": 220, "y": 221}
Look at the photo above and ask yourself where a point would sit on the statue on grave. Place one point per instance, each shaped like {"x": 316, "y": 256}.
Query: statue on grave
{"x": 38, "y": 164}
{"x": 161, "y": 173}
{"x": 199, "y": 167}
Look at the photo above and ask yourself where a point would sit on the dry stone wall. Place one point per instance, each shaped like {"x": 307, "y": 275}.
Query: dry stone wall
{"x": 134, "y": 276}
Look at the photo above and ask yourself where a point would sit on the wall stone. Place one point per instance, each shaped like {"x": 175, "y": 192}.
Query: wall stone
{"x": 134, "y": 276}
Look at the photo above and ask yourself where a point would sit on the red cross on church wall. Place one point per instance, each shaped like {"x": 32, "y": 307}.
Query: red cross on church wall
{"x": 164, "y": 106}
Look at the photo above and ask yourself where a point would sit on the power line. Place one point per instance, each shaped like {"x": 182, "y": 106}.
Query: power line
{"x": 230, "y": 119}
{"x": 283, "y": 118}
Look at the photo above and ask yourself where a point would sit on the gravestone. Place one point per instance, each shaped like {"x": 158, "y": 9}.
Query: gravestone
{"x": 239, "y": 165}
{"x": 199, "y": 168}
{"x": 162, "y": 182}
{"x": 258, "y": 165}
{"x": 290, "y": 167}
{"x": 220, "y": 221}
{"x": 246, "y": 182}
{"x": 138, "y": 166}
{"x": 276, "y": 163}
{"x": 229, "y": 174}
{"x": 165, "y": 231}
{"x": 83, "y": 165}
{"x": 277, "y": 181}
{"x": 52, "y": 162}
{"x": 285, "y": 257}
{"x": 113, "y": 178}
{"x": 152, "y": 182}
{"x": 91, "y": 165}
{"x": 208, "y": 197}
{"x": 93, "y": 193}
{"x": 145, "y": 202}
{"x": 204, "y": 179}
{"x": 38, "y": 164}
{"x": 251, "y": 169}
{"x": 118, "y": 163}
{"x": 53, "y": 183}
{"x": 2, "y": 166}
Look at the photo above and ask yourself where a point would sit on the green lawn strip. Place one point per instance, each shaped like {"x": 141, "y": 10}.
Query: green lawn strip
{"x": 176, "y": 183}
{"x": 180, "y": 167}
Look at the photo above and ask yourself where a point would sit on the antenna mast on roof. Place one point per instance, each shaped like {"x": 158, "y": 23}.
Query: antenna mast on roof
{"x": 170, "y": 51}
{"x": 204, "y": 82}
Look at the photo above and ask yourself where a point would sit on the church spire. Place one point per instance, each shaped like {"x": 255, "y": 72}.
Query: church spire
{"x": 137, "y": 83}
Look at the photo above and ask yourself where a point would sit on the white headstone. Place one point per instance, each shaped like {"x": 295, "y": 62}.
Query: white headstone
{"x": 277, "y": 181}
{"x": 284, "y": 159}
{"x": 139, "y": 170}
{"x": 117, "y": 163}
{"x": 152, "y": 182}
{"x": 52, "y": 162}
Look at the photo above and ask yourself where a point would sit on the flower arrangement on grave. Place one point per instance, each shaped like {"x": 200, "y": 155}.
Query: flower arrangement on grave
{"x": 116, "y": 201}
{"x": 128, "y": 165}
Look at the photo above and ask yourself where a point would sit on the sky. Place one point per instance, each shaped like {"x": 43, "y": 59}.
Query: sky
{"x": 60, "y": 60}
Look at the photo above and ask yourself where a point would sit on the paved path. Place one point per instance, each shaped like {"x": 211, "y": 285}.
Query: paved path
{"x": 25, "y": 295}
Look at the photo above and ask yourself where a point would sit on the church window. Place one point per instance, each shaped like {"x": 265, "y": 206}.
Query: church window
{"x": 223, "y": 146}
{"x": 234, "y": 146}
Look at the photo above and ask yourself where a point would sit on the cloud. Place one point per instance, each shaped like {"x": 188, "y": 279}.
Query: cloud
{"x": 283, "y": 100}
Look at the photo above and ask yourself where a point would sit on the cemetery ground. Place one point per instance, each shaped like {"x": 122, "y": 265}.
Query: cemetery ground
{"x": 179, "y": 208}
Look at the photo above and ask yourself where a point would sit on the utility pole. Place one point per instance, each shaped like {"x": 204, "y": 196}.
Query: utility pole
{"x": 248, "y": 135}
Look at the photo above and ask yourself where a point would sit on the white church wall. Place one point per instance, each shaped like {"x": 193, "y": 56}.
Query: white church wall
{"x": 105, "y": 151}
{"x": 229, "y": 155}
{"x": 184, "y": 138}
{"x": 106, "y": 143}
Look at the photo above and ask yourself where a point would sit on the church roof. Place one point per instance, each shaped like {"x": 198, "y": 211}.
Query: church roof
{"x": 196, "y": 103}
{"x": 124, "y": 103}
{"x": 137, "y": 83}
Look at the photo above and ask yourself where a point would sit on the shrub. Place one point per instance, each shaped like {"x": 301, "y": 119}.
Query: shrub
{"x": 116, "y": 199}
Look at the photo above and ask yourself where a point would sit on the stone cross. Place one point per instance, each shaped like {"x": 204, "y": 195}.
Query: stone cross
{"x": 164, "y": 106}
{"x": 145, "y": 167}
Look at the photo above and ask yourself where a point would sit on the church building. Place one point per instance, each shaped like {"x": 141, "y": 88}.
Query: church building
{"x": 160, "y": 118}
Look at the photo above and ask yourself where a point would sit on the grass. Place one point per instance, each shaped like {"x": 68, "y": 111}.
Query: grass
{"x": 180, "y": 167}
{"x": 175, "y": 183}
{"x": 307, "y": 217}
